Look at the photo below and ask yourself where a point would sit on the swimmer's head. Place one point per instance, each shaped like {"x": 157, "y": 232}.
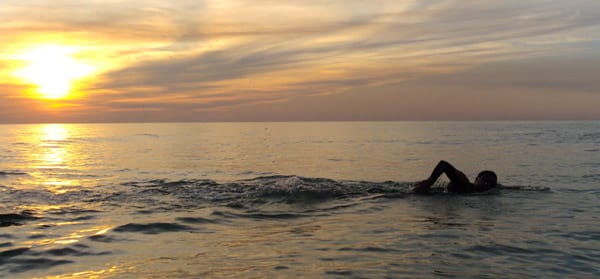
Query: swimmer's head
{"x": 487, "y": 179}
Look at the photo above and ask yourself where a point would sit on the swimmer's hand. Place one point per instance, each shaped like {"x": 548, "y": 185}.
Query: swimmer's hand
{"x": 422, "y": 187}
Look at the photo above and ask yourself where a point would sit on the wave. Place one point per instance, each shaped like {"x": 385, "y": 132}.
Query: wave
{"x": 276, "y": 188}
{"x": 7, "y": 173}
{"x": 590, "y": 136}
{"x": 159, "y": 195}
{"x": 153, "y": 228}
{"x": 23, "y": 259}
{"x": 525, "y": 188}
{"x": 16, "y": 219}
{"x": 148, "y": 135}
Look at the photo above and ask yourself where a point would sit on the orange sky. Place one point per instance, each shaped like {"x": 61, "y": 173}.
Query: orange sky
{"x": 231, "y": 60}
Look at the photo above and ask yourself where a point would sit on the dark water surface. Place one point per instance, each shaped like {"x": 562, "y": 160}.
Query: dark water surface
{"x": 287, "y": 200}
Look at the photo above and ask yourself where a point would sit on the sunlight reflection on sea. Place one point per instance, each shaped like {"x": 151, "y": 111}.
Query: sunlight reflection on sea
{"x": 269, "y": 200}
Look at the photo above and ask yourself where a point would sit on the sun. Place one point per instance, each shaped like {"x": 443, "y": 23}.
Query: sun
{"x": 53, "y": 70}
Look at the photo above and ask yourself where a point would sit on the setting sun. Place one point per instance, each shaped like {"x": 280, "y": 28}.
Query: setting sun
{"x": 53, "y": 70}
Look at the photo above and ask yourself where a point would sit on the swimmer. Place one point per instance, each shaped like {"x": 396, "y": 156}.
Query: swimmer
{"x": 459, "y": 183}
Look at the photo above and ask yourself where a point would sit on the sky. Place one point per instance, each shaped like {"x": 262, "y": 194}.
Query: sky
{"x": 265, "y": 60}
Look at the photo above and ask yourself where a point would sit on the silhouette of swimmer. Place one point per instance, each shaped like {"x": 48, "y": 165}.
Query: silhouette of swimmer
{"x": 459, "y": 183}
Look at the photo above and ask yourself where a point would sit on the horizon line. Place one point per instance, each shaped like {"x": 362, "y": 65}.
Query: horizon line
{"x": 302, "y": 121}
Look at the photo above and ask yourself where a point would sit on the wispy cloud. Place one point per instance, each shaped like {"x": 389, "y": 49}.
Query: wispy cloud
{"x": 201, "y": 55}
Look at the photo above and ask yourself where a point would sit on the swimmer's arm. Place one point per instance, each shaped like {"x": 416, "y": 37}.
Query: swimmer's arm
{"x": 456, "y": 177}
{"x": 422, "y": 187}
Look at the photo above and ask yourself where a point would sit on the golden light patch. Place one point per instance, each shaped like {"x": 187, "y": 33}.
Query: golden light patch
{"x": 53, "y": 70}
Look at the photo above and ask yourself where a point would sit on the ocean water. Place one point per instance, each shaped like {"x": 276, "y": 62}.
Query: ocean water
{"x": 297, "y": 200}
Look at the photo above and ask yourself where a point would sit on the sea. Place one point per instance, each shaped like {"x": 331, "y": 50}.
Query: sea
{"x": 298, "y": 200}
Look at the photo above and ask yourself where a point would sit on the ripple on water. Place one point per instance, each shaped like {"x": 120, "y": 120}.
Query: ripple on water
{"x": 106, "y": 238}
{"x": 16, "y": 219}
{"x": 12, "y": 253}
{"x": 499, "y": 249}
{"x": 23, "y": 265}
{"x": 25, "y": 259}
{"x": 197, "y": 220}
{"x": 373, "y": 249}
{"x": 153, "y": 228}
{"x": 344, "y": 273}
{"x": 265, "y": 215}
{"x": 10, "y": 261}
{"x": 7, "y": 173}
{"x": 583, "y": 236}
{"x": 68, "y": 251}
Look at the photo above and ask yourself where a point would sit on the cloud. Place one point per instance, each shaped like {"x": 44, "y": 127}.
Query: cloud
{"x": 202, "y": 55}
{"x": 486, "y": 92}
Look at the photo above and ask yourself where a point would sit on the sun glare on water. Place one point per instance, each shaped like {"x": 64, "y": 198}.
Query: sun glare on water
{"x": 53, "y": 70}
